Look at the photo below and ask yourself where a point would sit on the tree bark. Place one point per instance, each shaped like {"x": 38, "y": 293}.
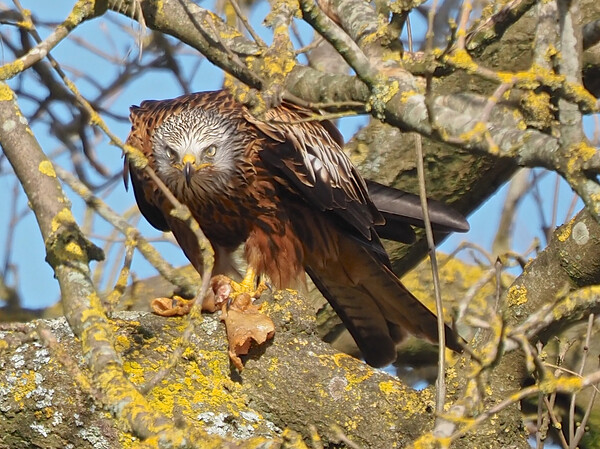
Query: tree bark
{"x": 292, "y": 382}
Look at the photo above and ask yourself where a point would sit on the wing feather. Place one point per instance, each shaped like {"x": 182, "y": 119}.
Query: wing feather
{"x": 311, "y": 159}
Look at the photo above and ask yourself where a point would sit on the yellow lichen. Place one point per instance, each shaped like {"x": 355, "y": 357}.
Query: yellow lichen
{"x": 122, "y": 343}
{"x": 578, "y": 153}
{"x": 405, "y": 95}
{"x": 474, "y": 134}
{"x": 82, "y": 10}
{"x": 9, "y": 70}
{"x": 95, "y": 118}
{"x": 462, "y": 59}
{"x": 350, "y": 424}
{"x": 63, "y": 217}
{"x": 516, "y": 296}
{"x": 354, "y": 378}
{"x": 411, "y": 401}
{"x": 390, "y": 90}
{"x": 581, "y": 95}
{"x": 74, "y": 250}
{"x": 278, "y": 66}
{"x": 564, "y": 232}
{"x": 6, "y": 93}
{"x": 25, "y": 24}
{"x": 46, "y": 168}
{"x": 387, "y": 386}
{"x": 339, "y": 358}
{"x": 380, "y": 32}
{"x": 569, "y": 384}
{"x": 24, "y": 385}
{"x": 539, "y": 106}
{"x": 451, "y": 271}
{"x": 196, "y": 387}
{"x": 429, "y": 441}
{"x": 519, "y": 118}
{"x": 135, "y": 372}
{"x": 451, "y": 375}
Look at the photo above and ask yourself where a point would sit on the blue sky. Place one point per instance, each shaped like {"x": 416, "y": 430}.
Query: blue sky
{"x": 35, "y": 281}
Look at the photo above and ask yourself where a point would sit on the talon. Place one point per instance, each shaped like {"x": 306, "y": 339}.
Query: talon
{"x": 248, "y": 285}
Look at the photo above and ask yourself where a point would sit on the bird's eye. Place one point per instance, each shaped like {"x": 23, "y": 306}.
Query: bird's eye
{"x": 211, "y": 151}
{"x": 170, "y": 153}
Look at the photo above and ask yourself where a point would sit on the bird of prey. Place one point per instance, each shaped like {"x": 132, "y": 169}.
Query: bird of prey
{"x": 282, "y": 186}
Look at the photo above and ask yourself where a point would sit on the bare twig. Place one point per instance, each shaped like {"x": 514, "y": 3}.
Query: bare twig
{"x": 81, "y": 12}
{"x": 439, "y": 307}
{"x": 575, "y": 436}
{"x": 131, "y": 232}
{"x": 242, "y": 17}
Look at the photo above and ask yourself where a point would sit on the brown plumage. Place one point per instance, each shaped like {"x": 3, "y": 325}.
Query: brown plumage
{"x": 284, "y": 188}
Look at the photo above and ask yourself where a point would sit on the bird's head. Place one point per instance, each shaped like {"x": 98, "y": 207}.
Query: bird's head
{"x": 196, "y": 146}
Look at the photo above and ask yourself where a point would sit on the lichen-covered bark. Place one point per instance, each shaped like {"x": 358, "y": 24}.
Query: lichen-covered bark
{"x": 571, "y": 261}
{"x": 292, "y": 383}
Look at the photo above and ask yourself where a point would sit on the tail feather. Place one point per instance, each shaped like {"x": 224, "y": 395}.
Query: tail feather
{"x": 361, "y": 316}
{"x": 373, "y": 304}
{"x": 402, "y": 209}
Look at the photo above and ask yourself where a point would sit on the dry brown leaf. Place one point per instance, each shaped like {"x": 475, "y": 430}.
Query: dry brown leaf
{"x": 176, "y": 306}
{"x": 245, "y": 324}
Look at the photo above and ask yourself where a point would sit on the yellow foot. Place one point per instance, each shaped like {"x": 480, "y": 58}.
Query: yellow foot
{"x": 176, "y": 306}
{"x": 248, "y": 286}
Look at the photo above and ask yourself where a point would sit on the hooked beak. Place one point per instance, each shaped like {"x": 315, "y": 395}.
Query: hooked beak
{"x": 188, "y": 167}
{"x": 188, "y": 171}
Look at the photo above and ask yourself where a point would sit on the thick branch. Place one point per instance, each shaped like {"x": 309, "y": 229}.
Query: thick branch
{"x": 294, "y": 382}
{"x": 201, "y": 29}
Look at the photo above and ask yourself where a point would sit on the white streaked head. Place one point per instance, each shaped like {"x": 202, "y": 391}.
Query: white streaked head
{"x": 197, "y": 147}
